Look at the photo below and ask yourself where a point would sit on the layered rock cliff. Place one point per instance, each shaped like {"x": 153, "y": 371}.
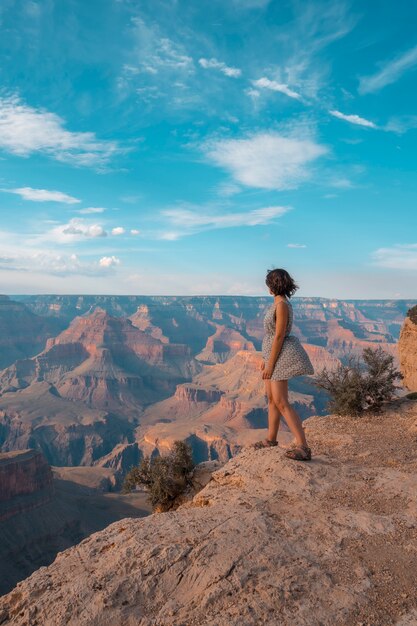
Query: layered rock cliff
{"x": 83, "y": 394}
{"x": 407, "y": 350}
{"x": 266, "y": 541}
{"x": 25, "y": 482}
{"x": 44, "y": 511}
{"x": 106, "y": 362}
{"x": 223, "y": 344}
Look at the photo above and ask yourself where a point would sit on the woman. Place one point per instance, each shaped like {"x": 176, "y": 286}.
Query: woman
{"x": 283, "y": 357}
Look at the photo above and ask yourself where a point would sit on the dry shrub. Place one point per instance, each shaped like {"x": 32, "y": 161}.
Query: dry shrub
{"x": 164, "y": 477}
{"x": 361, "y": 384}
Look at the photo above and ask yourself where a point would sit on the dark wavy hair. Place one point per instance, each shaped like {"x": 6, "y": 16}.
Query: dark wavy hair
{"x": 280, "y": 282}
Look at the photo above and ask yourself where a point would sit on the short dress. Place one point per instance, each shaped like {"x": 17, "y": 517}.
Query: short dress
{"x": 292, "y": 360}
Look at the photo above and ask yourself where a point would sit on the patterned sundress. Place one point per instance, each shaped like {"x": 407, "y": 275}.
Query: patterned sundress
{"x": 292, "y": 360}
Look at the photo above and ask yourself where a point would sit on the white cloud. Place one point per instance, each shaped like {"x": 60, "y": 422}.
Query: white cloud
{"x": 76, "y": 229}
{"x": 184, "y": 221}
{"x": 25, "y": 130}
{"x": 109, "y": 261}
{"x": 134, "y": 231}
{"x": 273, "y": 85}
{"x": 399, "y": 257}
{"x": 118, "y": 230}
{"x": 91, "y": 210}
{"x": 252, "y": 93}
{"x": 266, "y": 160}
{"x": 42, "y": 195}
{"x": 353, "y": 119}
{"x": 390, "y": 73}
{"x": 296, "y": 245}
{"x": 233, "y": 72}
{"x": 49, "y": 263}
{"x": 251, "y": 4}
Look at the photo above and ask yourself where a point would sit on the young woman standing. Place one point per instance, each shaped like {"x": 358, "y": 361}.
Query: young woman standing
{"x": 283, "y": 358}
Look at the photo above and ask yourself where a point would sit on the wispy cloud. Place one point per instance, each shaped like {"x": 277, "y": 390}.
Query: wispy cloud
{"x": 273, "y": 85}
{"x": 232, "y": 72}
{"x": 184, "y": 221}
{"x": 117, "y": 230}
{"x": 91, "y": 210}
{"x": 389, "y": 73}
{"x": 25, "y": 130}
{"x": 353, "y": 119}
{"x": 43, "y": 195}
{"x": 251, "y": 4}
{"x": 266, "y": 160}
{"x": 296, "y": 245}
{"x": 399, "y": 257}
{"x": 153, "y": 56}
{"x": 401, "y": 124}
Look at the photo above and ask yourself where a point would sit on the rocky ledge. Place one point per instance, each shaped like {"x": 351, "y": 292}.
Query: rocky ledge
{"x": 266, "y": 541}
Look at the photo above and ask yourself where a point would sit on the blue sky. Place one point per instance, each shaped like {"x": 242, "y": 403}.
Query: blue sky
{"x": 185, "y": 147}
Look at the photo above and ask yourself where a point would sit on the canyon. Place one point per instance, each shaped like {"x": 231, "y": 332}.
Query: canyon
{"x": 113, "y": 386}
{"x": 124, "y": 375}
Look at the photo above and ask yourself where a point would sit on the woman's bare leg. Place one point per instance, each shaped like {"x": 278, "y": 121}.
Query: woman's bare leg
{"x": 279, "y": 391}
{"x": 274, "y": 415}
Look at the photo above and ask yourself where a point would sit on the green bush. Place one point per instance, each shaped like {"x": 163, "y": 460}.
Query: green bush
{"x": 412, "y": 314}
{"x": 164, "y": 477}
{"x": 360, "y": 384}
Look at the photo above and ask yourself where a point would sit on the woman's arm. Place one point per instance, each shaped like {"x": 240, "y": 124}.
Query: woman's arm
{"x": 281, "y": 315}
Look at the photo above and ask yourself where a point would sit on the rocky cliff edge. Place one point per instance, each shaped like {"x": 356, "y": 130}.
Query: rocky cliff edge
{"x": 267, "y": 541}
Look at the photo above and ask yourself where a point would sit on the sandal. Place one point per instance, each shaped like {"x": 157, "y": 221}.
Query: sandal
{"x": 299, "y": 453}
{"x": 265, "y": 443}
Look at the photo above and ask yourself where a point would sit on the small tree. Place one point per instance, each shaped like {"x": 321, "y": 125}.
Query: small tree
{"x": 361, "y": 384}
{"x": 164, "y": 477}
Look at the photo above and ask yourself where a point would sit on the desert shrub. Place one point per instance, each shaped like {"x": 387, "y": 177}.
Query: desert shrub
{"x": 361, "y": 384}
{"x": 412, "y": 395}
{"x": 412, "y": 314}
{"x": 164, "y": 477}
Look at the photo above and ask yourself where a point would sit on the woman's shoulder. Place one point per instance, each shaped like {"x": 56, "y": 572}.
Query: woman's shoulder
{"x": 281, "y": 305}
{"x": 282, "y": 302}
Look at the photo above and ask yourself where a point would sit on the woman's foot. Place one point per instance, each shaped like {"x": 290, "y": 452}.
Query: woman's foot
{"x": 265, "y": 443}
{"x": 299, "y": 452}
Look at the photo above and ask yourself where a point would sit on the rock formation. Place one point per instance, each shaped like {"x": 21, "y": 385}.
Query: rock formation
{"x": 407, "y": 350}
{"x": 22, "y": 333}
{"x": 88, "y": 388}
{"x": 266, "y": 541}
{"x": 223, "y": 344}
{"x": 25, "y": 482}
{"x": 44, "y": 511}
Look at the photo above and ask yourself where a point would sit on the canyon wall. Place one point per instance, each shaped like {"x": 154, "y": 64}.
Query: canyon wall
{"x": 25, "y": 482}
{"x": 407, "y": 350}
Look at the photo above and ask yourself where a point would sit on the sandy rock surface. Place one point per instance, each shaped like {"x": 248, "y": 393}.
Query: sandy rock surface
{"x": 267, "y": 541}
